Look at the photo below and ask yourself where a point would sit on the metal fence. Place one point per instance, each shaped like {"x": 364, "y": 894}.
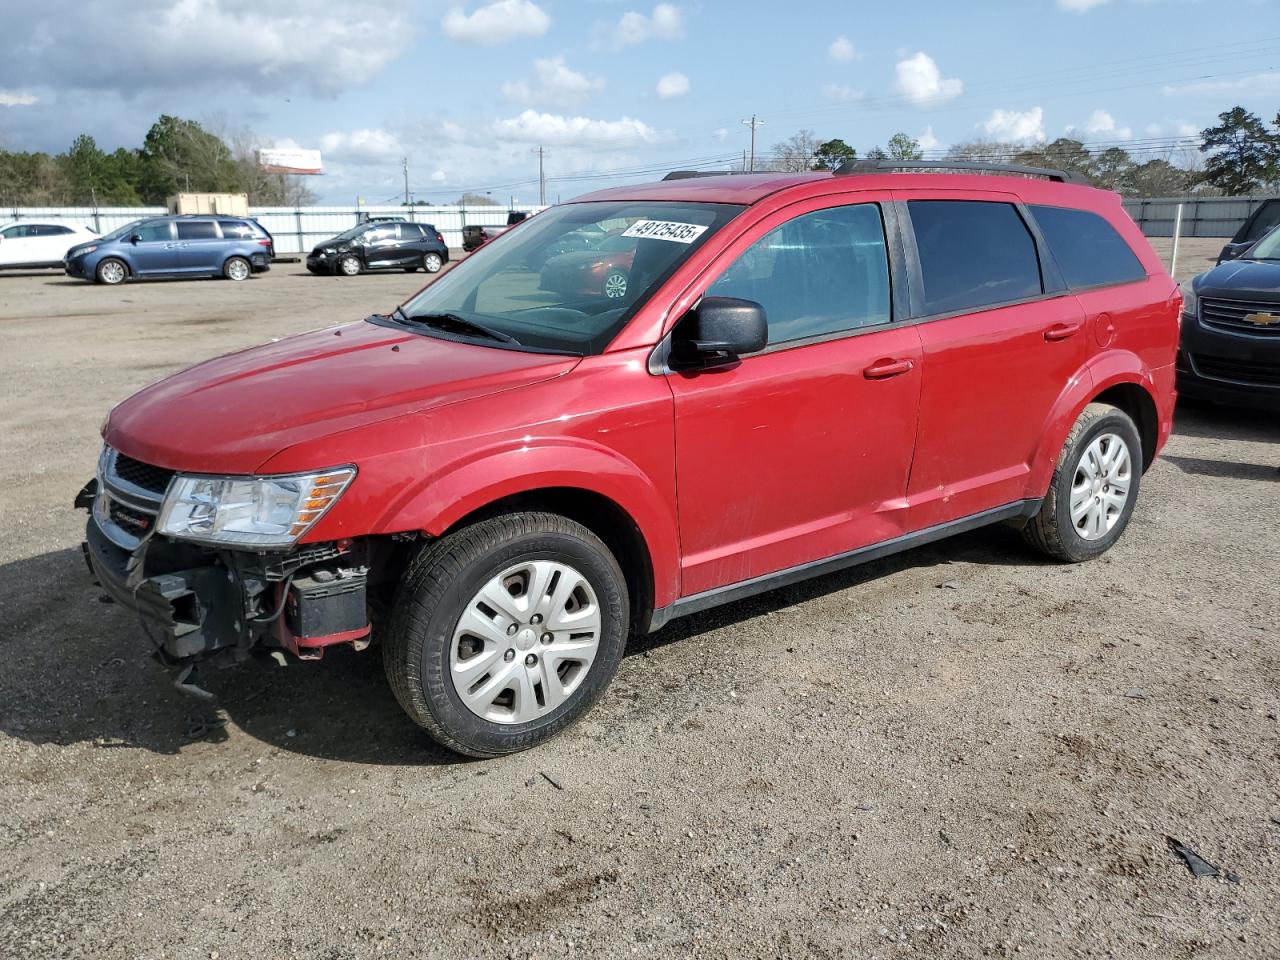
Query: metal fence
{"x": 295, "y": 229}
{"x": 1201, "y": 216}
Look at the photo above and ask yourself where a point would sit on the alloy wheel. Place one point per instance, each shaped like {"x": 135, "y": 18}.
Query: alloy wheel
{"x": 238, "y": 269}
{"x": 1100, "y": 488}
{"x": 525, "y": 642}
{"x": 615, "y": 286}
{"x": 112, "y": 272}
{"x": 432, "y": 263}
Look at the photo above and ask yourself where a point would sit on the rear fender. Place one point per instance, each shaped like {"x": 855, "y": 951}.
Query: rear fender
{"x": 452, "y": 493}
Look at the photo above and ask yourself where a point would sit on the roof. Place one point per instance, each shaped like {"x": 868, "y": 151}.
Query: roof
{"x": 753, "y": 187}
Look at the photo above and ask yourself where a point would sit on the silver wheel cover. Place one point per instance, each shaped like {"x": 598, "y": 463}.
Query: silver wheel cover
{"x": 237, "y": 270}
{"x": 525, "y": 642}
{"x": 615, "y": 286}
{"x": 432, "y": 262}
{"x": 112, "y": 272}
{"x": 1100, "y": 487}
{"x": 350, "y": 266}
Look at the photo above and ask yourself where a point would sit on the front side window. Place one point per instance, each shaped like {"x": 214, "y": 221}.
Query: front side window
{"x": 197, "y": 230}
{"x": 155, "y": 231}
{"x": 1087, "y": 249}
{"x": 549, "y": 291}
{"x": 973, "y": 254}
{"x": 821, "y": 273}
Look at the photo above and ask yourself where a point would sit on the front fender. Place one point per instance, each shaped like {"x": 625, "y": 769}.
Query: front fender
{"x": 458, "y": 489}
{"x": 1098, "y": 375}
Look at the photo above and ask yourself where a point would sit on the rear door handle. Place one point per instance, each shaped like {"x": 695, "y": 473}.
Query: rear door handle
{"x": 1061, "y": 331}
{"x": 883, "y": 369}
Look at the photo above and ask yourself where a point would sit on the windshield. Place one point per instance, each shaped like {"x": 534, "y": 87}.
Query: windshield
{"x": 119, "y": 232}
{"x": 354, "y": 232}
{"x": 1268, "y": 248}
{"x": 570, "y": 278}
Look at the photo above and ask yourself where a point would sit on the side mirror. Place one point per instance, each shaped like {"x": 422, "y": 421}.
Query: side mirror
{"x": 137, "y": 237}
{"x": 1233, "y": 250}
{"x": 718, "y": 331}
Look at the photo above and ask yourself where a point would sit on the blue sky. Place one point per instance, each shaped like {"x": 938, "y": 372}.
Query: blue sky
{"x": 615, "y": 90}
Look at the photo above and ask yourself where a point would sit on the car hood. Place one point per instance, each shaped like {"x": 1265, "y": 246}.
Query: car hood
{"x": 1241, "y": 280}
{"x": 333, "y": 242}
{"x": 232, "y": 414}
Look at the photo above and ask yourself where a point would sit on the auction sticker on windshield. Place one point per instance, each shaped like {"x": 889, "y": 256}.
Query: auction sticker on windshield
{"x": 665, "y": 230}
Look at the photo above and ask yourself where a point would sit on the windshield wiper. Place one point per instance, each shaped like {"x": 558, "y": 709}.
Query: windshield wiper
{"x": 453, "y": 323}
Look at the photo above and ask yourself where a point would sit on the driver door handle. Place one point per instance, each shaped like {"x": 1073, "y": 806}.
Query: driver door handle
{"x": 883, "y": 369}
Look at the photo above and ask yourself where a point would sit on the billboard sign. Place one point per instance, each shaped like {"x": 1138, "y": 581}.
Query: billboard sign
{"x": 290, "y": 160}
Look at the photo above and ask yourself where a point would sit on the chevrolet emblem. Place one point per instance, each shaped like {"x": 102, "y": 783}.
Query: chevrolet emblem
{"x": 1261, "y": 319}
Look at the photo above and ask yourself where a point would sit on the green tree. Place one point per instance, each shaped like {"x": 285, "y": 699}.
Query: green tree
{"x": 1157, "y": 178}
{"x": 904, "y": 147}
{"x": 179, "y": 156}
{"x": 1112, "y": 169}
{"x": 95, "y": 177}
{"x": 831, "y": 153}
{"x": 1062, "y": 154}
{"x": 875, "y": 153}
{"x": 1242, "y": 153}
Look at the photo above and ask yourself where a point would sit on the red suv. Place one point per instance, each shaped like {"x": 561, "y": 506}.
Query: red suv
{"x": 500, "y": 482}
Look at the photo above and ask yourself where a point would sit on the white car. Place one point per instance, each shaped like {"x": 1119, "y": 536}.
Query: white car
{"x": 39, "y": 243}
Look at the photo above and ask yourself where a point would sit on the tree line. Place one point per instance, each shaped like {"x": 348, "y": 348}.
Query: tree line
{"x": 1239, "y": 155}
{"x": 176, "y": 156}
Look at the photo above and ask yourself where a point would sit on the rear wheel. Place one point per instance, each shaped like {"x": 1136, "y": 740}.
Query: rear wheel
{"x": 349, "y": 265}
{"x": 432, "y": 262}
{"x": 237, "y": 268}
{"x": 506, "y": 632}
{"x": 1094, "y": 487}
{"x": 112, "y": 271}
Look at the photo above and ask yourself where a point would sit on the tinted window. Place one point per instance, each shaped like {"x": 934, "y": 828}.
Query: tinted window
{"x": 155, "y": 231}
{"x": 49, "y": 230}
{"x": 16, "y": 231}
{"x": 1088, "y": 250}
{"x": 380, "y": 233}
{"x": 235, "y": 229}
{"x": 973, "y": 254}
{"x": 410, "y": 231}
{"x": 1267, "y": 218}
{"x": 823, "y": 272}
{"x": 197, "y": 230}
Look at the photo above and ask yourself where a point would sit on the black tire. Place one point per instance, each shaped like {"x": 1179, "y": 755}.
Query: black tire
{"x": 437, "y": 588}
{"x": 410, "y": 269}
{"x": 1051, "y": 530}
{"x": 348, "y": 265}
{"x": 111, "y": 271}
{"x": 237, "y": 268}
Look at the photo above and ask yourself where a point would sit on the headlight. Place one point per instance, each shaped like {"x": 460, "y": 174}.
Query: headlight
{"x": 86, "y": 250}
{"x": 1190, "y": 302}
{"x": 327, "y": 251}
{"x": 252, "y": 511}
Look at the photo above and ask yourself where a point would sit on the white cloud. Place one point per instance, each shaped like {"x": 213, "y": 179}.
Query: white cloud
{"x": 361, "y": 146}
{"x": 13, "y": 98}
{"x": 922, "y": 83}
{"x": 1025, "y": 127}
{"x": 496, "y": 23}
{"x": 673, "y": 85}
{"x": 1103, "y": 124}
{"x": 202, "y": 44}
{"x": 927, "y": 140}
{"x": 1188, "y": 130}
{"x": 666, "y": 22}
{"x": 1255, "y": 83}
{"x": 1080, "y": 6}
{"x": 841, "y": 49}
{"x": 439, "y": 177}
{"x": 554, "y": 84}
{"x": 551, "y": 129}
{"x": 721, "y": 134}
{"x": 841, "y": 93}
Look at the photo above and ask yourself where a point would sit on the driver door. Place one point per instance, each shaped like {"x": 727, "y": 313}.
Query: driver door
{"x": 802, "y": 451}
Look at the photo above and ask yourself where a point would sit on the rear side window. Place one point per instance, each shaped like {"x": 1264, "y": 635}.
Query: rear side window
{"x": 823, "y": 272}
{"x": 973, "y": 254}
{"x": 1268, "y": 216}
{"x": 197, "y": 230}
{"x": 1088, "y": 250}
{"x": 50, "y": 230}
{"x": 236, "y": 229}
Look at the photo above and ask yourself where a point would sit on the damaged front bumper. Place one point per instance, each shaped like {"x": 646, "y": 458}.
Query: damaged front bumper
{"x": 203, "y": 605}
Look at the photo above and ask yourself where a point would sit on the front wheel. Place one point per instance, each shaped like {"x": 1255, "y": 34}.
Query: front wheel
{"x": 111, "y": 272}
{"x": 506, "y": 632}
{"x": 349, "y": 265}
{"x": 1094, "y": 487}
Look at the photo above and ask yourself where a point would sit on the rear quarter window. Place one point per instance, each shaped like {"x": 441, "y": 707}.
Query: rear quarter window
{"x": 197, "y": 230}
{"x": 236, "y": 229}
{"x": 1088, "y": 250}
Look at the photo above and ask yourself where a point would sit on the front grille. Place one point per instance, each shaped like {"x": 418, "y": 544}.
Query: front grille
{"x": 1238, "y": 371}
{"x": 1230, "y": 315}
{"x": 144, "y": 475}
{"x": 134, "y": 522}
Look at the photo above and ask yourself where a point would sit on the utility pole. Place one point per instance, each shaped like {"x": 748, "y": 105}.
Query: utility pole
{"x": 542, "y": 179}
{"x": 753, "y": 123}
{"x": 404, "y": 162}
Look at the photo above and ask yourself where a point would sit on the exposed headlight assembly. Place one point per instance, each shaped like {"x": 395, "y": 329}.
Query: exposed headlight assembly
{"x": 250, "y": 511}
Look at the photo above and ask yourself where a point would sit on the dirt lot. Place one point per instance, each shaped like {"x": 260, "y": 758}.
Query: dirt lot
{"x": 959, "y": 752}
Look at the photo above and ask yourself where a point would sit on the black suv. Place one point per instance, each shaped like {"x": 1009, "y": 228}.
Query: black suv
{"x": 381, "y": 245}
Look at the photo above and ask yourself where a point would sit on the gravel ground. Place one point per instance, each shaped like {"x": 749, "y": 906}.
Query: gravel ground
{"x": 961, "y": 751}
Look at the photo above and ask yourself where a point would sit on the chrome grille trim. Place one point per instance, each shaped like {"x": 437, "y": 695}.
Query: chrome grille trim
{"x": 1228, "y": 315}
{"x": 114, "y": 488}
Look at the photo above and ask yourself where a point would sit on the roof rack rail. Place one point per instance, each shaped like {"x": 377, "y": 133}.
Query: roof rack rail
{"x": 884, "y": 166}
{"x": 691, "y": 174}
